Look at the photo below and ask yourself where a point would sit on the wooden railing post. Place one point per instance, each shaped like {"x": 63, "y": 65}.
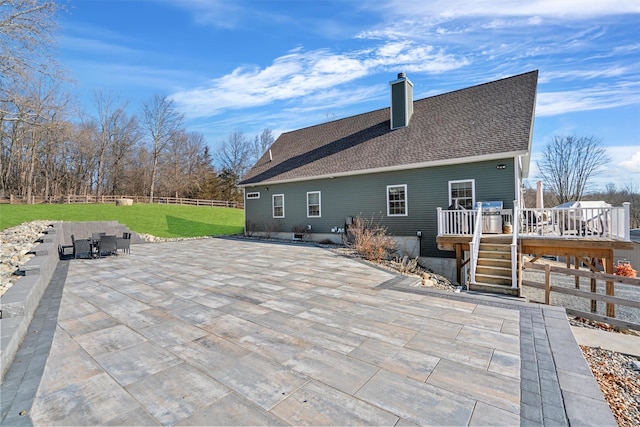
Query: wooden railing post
{"x": 547, "y": 284}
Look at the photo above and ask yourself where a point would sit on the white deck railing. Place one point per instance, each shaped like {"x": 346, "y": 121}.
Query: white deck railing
{"x": 514, "y": 248}
{"x": 575, "y": 223}
{"x": 474, "y": 245}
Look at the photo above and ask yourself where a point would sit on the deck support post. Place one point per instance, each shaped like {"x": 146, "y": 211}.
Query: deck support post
{"x": 547, "y": 284}
{"x": 459, "y": 253}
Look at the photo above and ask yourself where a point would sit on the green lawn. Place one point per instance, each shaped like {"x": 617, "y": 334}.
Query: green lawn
{"x": 157, "y": 220}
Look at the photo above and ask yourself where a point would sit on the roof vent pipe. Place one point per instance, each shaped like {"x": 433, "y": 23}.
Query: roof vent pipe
{"x": 401, "y": 101}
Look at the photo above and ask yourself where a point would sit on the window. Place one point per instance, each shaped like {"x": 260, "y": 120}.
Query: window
{"x": 463, "y": 192}
{"x": 254, "y": 195}
{"x": 397, "y": 200}
{"x": 313, "y": 204}
{"x": 278, "y": 205}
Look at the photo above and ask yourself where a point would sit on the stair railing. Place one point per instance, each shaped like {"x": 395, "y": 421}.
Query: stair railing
{"x": 474, "y": 246}
{"x": 514, "y": 246}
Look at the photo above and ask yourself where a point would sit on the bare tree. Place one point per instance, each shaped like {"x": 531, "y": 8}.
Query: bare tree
{"x": 26, "y": 34}
{"x": 182, "y": 165}
{"x": 116, "y": 133}
{"x": 568, "y": 163}
{"x": 261, "y": 144}
{"x": 235, "y": 154}
{"x": 160, "y": 120}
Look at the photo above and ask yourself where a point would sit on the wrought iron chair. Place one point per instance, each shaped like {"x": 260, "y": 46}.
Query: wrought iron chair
{"x": 124, "y": 243}
{"x": 107, "y": 246}
{"x": 82, "y": 246}
{"x": 62, "y": 249}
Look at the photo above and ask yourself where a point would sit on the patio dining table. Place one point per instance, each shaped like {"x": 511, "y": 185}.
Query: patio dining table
{"x": 95, "y": 244}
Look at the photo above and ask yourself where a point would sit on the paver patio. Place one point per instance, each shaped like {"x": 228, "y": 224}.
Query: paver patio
{"x": 237, "y": 332}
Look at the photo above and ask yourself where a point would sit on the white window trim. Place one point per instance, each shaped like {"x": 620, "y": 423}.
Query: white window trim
{"x": 253, "y": 195}
{"x": 273, "y": 205}
{"x": 406, "y": 201}
{"x": 319, "y": 204}
{"x": 473, "y": 190}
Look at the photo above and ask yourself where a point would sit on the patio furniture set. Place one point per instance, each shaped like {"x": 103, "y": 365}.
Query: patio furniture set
{"x": 97, "y": 246}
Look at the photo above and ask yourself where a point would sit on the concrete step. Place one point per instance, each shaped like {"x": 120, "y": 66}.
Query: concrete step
{"x": 494, "y": 289}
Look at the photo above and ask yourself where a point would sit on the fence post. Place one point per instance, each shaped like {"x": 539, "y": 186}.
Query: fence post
{"x": 547, "y": 284}
{"x": 610, "y": 290}
{"x": 594, "y": 303}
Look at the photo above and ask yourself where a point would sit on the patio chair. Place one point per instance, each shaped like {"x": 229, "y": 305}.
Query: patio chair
{"x": 107, "y": 246}
{"x": 80, "y": 247}
{"x": 63, "y": 248}
{"x": 124, "y": 242}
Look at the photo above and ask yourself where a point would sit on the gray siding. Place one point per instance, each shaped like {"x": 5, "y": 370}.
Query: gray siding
{"x": 365, "y": 195}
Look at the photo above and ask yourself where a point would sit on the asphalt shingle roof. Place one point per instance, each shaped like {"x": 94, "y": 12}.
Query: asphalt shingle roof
{"x": 487, "y": 119}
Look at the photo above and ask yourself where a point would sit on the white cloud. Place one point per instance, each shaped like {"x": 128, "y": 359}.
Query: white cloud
{"x": 596, "y": 98}
{"x": 448, "y": 9}
{"x": 301, "y": 74}
{"x": 631, "y": 162}
{"x": 93, "y": 46}
{"x": 584, "y": 74}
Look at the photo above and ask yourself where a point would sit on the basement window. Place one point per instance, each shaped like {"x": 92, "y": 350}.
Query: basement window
{"x": 278, "y": 205}
{"x": 253, "y": 195}
{"x": 397, "y": 200}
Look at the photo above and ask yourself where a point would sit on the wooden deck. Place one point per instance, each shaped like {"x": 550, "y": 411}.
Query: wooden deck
{"x": 578, "y": 247}
{"x": 533, "y": 244}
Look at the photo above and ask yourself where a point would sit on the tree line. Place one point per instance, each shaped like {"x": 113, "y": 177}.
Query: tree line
{"x": 51, "y": 148}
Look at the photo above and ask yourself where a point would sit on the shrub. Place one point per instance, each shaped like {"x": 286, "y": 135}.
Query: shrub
{"x": 268, "y": 228}
{"x": 370, "y": 239}
{"x": 250, "y": 228}
{"x": 625, "y": 269}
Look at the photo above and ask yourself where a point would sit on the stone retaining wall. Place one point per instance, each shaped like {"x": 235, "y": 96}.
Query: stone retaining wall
{"x": 19, "y": 303}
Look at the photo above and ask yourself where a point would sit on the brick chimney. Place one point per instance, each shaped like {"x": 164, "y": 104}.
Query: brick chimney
{"x": 401, "y": 101}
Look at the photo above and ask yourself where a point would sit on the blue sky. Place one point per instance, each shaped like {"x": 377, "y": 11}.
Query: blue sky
{"x": 254, "y": 64}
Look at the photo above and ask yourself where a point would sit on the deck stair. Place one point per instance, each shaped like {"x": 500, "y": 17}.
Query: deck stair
{"x": 493, "y": 269}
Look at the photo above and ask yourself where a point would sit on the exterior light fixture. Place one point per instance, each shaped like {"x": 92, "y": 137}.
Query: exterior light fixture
{"x": 501, "y": 166}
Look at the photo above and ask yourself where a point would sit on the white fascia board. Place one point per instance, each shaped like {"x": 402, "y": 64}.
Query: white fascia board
{"x": 447, "y": 162}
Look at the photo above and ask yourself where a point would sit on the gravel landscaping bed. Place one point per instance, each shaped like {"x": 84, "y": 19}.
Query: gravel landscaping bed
{"x": 15, "y": 243}
{"x": 619, "y": 378}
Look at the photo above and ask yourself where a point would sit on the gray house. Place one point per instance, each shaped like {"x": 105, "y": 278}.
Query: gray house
{"x": 399, "y": 164}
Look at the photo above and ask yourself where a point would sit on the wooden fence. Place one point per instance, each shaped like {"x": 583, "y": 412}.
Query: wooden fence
{"x": 610, "y": 299}
{"x": 71, "y": 199}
